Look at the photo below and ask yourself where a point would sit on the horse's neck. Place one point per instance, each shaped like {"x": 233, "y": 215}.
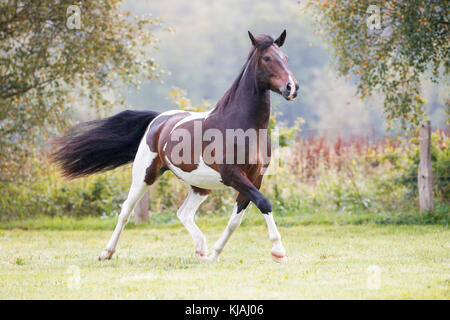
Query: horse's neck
{"x": 255, "y": 107}
{"x": 250, "y": 104}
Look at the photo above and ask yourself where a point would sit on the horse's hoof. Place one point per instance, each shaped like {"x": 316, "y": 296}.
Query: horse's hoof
{"x": 213, "y": 257}
{"x": 201, "y": 255}
{"x": 105, "y": 255}
{"x": 279, "y": 258}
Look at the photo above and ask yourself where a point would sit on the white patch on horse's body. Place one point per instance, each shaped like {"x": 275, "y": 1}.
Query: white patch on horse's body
{"x": 144, "y": 157}
{"x": 191, "y": 117}
{"x": 203, "y": 177}
{"x": 169, "y": 113}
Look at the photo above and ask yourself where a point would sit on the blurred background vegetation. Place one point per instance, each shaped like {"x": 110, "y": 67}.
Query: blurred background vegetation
{"x": 340, "y": 166}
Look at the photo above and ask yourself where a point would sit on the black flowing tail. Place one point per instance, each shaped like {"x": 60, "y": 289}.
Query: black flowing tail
{"x": 101, "y": 145}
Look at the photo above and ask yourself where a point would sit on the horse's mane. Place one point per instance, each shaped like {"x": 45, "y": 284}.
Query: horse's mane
{"x": 264, "y": 41}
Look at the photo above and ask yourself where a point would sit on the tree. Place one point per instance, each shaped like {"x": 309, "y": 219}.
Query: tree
{"x": 410, "y": 42}
{"x": 54, "y": 52}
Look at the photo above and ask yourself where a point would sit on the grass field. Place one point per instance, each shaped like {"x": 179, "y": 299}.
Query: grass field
{"x": 326, "y": 262}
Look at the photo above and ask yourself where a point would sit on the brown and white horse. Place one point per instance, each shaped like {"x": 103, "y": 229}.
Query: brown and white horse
{"x": 152, "y": 140}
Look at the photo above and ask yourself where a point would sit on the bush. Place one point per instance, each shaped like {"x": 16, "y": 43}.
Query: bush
{"x": 440, "y": 162}
{"x": 46, "y": 193}
{"x": 351, "y": 180}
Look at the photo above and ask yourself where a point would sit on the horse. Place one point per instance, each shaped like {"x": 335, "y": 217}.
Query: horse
{"x": 151, "y": 140}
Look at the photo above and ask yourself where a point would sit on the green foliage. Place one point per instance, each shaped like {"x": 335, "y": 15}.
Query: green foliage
{"x": 45, "y": 67}
{"x": 413, "y": 41}
{"x": 318, "y": 181}
{"x": 49, "y": 194}
{"x": 179, "y": 98}
{"x": 440, "y": 162}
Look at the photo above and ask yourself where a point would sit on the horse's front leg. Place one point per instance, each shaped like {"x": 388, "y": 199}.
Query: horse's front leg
{"x": 234, "y": 222}
{"x": 186, "y": 215}
{"x": 234, "y": 177}
{"x": 278, "y": 252}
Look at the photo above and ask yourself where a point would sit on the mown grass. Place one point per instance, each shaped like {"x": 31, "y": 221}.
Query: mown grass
{"x": 285, "y": 217}
{"x": 156, "y": 261}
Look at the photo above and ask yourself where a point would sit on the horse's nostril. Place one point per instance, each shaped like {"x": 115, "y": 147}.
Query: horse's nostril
{"x": 288, "y": 87}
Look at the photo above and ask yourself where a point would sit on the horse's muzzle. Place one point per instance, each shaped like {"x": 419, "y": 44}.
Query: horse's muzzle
{"x": 290, "y": 91}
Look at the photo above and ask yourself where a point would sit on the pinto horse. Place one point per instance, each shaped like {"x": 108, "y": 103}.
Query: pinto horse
{"x": 151, "y": 140}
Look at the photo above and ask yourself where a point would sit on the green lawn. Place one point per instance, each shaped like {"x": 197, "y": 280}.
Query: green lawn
{"x": 326, "y": 262}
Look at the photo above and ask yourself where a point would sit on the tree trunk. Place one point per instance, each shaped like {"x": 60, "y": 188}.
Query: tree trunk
{"x": 141, "y": 209}
{"x": 425, "y": 174}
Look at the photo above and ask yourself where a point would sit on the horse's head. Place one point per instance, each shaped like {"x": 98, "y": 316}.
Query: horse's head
{"x": 272, "y": 71}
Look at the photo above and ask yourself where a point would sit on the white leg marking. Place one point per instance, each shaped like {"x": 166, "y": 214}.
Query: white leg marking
{"x": 186, "y": 215}
{"x": 278, "y": 252}
{"x": 136, "y": 192}
{"x": 233, "y": 224}
{"x": 144, "y": 158}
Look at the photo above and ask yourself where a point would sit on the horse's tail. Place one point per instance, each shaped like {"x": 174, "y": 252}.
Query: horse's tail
{"x": 101, "y": 145}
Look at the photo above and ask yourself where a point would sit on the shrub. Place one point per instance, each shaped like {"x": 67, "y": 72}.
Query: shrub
{"x": 440, "y": 162}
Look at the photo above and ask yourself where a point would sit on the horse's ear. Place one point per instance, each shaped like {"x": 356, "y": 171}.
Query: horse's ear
{"x": 252, "y": 38}
{"x": 281, "y": 39}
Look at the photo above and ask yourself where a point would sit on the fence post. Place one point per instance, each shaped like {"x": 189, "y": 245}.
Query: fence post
{"x": 425, "y": 174}
{"x": 141, "y": 209}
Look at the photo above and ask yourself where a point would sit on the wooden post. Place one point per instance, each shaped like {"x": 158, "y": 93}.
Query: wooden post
{"x": 141, "y": 209}
{"x": 425, "y": 174}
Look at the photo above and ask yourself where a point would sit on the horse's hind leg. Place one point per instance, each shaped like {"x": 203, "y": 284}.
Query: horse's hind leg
{"x": 145, "y": 171}
{"x": 186, "y": 215}
{"x": 137, "y": 190}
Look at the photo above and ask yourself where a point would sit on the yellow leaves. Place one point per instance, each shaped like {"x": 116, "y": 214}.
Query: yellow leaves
{"x": 178, "y": 97}
{"x": 182, "y": 102}
{"x": 371, "y": 153}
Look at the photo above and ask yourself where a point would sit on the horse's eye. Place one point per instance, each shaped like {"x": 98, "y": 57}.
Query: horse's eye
{"x": 266, "y": 58}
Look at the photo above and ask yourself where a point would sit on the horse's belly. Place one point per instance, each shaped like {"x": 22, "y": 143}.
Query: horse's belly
{"x": 202, "y": 177}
